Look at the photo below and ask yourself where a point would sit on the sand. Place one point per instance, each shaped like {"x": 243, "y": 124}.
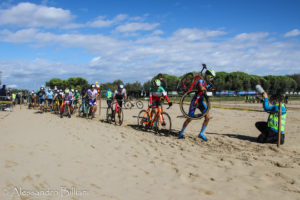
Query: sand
{"x": 45, "y": 157}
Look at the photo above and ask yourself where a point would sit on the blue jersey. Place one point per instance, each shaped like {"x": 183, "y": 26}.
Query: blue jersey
{"x": 41, "y": 94}
{"x": 49, "y": 95}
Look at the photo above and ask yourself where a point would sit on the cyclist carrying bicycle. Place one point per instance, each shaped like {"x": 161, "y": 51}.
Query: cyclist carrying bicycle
{"x": 198, "y": 102}
{"x": 156, "y": 94}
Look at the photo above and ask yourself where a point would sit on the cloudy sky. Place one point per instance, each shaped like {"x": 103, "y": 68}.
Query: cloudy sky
{"x": 132, "y": 40}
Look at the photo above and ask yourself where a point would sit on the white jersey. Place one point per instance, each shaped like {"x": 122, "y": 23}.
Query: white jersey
{"x": 92, "y": 93}
{"x": 120, "y": 95}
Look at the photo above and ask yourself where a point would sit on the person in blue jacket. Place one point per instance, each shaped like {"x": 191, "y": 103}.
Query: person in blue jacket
{"x": 269, "y": 129}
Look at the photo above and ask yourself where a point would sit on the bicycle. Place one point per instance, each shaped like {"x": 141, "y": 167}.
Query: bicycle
{"x": 160, "y": 123}
{"x": 128, "y": 104}
{"x": 185, "y": 86}
{"x": 115, "y": 115}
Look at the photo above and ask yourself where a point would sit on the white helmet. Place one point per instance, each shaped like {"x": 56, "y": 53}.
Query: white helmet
{"x": 72, "y": 90}
{"x": 67, "y": 90}
{"x": 121, "y": 86}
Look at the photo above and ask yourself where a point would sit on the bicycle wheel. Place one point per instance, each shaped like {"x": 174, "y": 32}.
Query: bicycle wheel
{"x": 143, "y": 119}
{"x": 201, "y": 108}
{"x": 185, "y": 83}
{"x": 109, "y": 113}
{"x": 119, "y": 117}
{"x": 128, "y": 105}
{"x": 139, "y": 104}
{"x": 164, "y": 124}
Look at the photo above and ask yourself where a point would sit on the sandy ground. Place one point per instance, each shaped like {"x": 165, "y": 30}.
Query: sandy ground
{"x": 45, "y": 157}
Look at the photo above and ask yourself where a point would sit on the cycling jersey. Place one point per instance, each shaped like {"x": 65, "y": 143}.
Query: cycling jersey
{"x": 41, "y": 94}
{"x": 49, "y": 95}
{"x": 92, "y": 94}
{"x": 120, "y": 95}
{"x": 68, "y": 97}
{"x": 157, "y": 93}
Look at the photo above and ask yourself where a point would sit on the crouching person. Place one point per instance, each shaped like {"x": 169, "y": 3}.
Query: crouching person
{"x": 269, "y": 129}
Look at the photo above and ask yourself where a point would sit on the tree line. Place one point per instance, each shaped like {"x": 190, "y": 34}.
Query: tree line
{"x": 234, "y": 81}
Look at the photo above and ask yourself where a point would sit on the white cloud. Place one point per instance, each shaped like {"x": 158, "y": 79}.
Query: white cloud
{"x": 132, "y": 27}
{"x": 95, "y": 61}
{"x": 101, "y": 21}
{"x": 292, "y": 33}
{"x": 32, "y": 15}
{"x": 196, "y": 34}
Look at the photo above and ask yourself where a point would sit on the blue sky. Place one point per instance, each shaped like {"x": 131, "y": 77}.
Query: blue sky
{"x": 133, "y": 40}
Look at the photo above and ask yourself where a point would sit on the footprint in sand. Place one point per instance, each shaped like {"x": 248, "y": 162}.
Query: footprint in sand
{"x": 10, "y": 164}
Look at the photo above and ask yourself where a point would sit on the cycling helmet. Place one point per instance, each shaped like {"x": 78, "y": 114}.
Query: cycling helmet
{"x": 76, "y": 90}
{"x": 93, "y": 86}
{"x": 67, "y": 90}
{"x": 210, "y": 73}
{"x": 157, "y": 82}
{"x": 121, "y": 86}
{"x": 72, "y": 90}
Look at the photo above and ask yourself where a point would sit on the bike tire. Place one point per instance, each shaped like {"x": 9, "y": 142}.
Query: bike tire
{"x": 109, "y": 113}
{"x": 128, "y": 105}
{"x": 165, "y": 125}
{"x": 183, "y": 111}
{"x": 143, "y": 119}
{"x": 119, "y": 120}
{"x": 185, "y": 83}
{"x": 139, "y": 104}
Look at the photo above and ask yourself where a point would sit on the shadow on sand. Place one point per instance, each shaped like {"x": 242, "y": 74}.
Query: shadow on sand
{"x": 240, "y": 137}
{"x": 164, "y": 133}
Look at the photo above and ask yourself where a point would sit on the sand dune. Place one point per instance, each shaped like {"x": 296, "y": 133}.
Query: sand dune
{"x": 89, "y": 159}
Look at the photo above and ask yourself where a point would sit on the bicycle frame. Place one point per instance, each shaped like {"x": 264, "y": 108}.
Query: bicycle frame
{"x": 157, "y": 115}
{"x": 196, "y": 78}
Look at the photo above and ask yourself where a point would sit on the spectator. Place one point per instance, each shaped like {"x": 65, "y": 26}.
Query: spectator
{"x": 269, "y": 129}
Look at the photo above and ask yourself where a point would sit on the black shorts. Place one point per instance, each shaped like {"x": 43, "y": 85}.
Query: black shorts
{"x": 50, "y": 101}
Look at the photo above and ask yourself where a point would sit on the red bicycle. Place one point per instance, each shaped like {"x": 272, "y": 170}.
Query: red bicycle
{"x": 185, "y": 87}
{"x": 115, "y": 114}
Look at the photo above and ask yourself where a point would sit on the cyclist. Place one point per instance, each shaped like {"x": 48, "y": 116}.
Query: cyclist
{"x": 68, "y": 97}
{"x": 41, "y": 94}
{"x": 109, "y": 96}
{"x": 198, "y": 102}
{"x": 76, "y": 98}
{"x": 120, "y": 94}
{"x": 92, "y": 95}
{"x": 32, "y": 99}
{"x": 49, "y": 95}
{"x": 155, "y": 96}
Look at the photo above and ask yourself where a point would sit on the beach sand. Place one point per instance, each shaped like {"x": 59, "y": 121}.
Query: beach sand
{"x": 90, "y": 159}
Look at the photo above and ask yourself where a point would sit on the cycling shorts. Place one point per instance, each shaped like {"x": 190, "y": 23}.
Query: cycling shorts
{"x": 200, "y": 104}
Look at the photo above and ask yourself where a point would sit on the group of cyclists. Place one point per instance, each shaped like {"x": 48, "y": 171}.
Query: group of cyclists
{"x": 63, "y": 101}
{"x": 69, "y": 100}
